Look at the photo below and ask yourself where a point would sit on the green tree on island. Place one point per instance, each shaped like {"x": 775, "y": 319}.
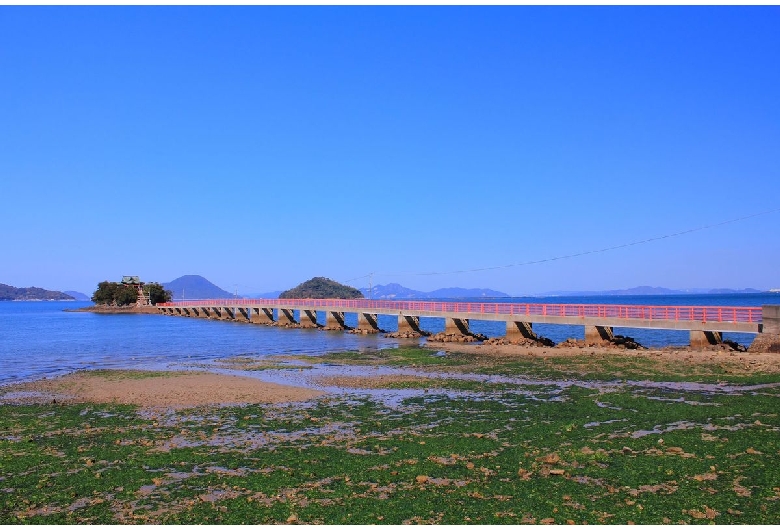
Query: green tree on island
{"x": 156, "y": 293}
{"x": 118, "y": 294}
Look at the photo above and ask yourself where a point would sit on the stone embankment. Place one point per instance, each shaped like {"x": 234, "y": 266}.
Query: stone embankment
{"x": 619, "y": 342}
{"x": 358, "y": 331}
{"x": 503, "y": 341}
{"x": 406, "y": 335}
{"x": 457, "y": 337}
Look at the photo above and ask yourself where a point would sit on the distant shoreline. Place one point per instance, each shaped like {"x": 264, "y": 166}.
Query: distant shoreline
{"x": 114, "y": 310}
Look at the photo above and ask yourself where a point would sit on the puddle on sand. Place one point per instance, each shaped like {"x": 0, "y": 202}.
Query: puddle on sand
{"x": 682, "y": 400}
{"x": 599, "y": 423}
{"x": 676, "y": 426}
{"x": 316, "y": 376}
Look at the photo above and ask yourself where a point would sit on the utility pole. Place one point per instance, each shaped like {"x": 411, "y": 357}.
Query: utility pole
{"x": 370, "y": 285}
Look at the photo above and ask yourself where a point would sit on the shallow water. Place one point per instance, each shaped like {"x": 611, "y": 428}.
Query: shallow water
{"x": 39, "y": 339}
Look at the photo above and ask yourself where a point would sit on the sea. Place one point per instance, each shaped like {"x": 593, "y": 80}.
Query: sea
{"x": 43, "y": 340}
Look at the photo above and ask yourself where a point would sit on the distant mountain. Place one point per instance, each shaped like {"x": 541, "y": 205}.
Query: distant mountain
{"x": 390, "y": 291}
{"x": 8, "y": 292}
{"x": 272, "y": 294}
{"x": 458, "y": 292}
{"x": 319, "y": 287}
{"x": 645, "y": 290}
{"x": 399, "y": 292}
{"x": 81, "y": 297}
{"x": 194, "y": 287}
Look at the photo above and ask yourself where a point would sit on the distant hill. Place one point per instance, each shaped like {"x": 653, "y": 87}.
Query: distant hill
{"x": 8, "y": 292}
{"x": 194, "y": 287}
{"x": 81, "y": 297}
{"x": 272, "y": 294}
{"x": 399, "y": 292}
{"x": 390, "y": 291}
{"x": 319, "y": 287}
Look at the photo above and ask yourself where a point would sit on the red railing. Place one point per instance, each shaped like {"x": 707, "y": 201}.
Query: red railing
{"x": 683, "y": 313}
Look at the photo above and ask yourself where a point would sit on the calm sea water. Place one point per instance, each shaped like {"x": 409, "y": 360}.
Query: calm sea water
{"x": 39, "y": 339}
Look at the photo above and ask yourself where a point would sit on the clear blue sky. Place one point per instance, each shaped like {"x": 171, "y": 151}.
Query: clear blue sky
{"x": 261, "y": 146}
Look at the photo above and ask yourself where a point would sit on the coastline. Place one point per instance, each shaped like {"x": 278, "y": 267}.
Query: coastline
{"x": 115, "y": 310}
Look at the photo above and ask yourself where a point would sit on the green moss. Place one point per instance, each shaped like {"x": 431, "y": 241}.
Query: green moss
{"x": 491, "y": 453}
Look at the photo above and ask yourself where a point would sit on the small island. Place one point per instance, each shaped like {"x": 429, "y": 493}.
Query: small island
{"x": 319, "y": 287}
{"x": 9, "y": 293}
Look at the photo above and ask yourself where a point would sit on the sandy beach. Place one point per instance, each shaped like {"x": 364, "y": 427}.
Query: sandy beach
{"x": 154, "y": 389}
{"x": 192, "y": 389}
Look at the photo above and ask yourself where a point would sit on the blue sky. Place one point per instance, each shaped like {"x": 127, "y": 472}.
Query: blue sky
{"x": 261, "y": 146}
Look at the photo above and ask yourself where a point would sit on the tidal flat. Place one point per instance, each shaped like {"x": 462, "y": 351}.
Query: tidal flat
{"x": 413, "y": 436}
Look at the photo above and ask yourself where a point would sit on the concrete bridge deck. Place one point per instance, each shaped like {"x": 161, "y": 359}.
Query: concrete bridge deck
{"x": 704, "y": 322}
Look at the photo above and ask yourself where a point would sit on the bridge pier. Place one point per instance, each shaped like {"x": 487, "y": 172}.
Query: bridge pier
{"x": 207, "y": 311}
{"x": 702, "y": 339}
{"x": 334, "y": 320}
{"x": 409, "y": 324}
{"x": 367, "y": 323}
{"x": 240, "y": 314}
{"x": 768, "y": 338}
{"x": 308, "y": 318}
{"x": 520, "y": 330}
{"x": 456, "y": 326}
{"x": 261, "y": 315}
{"x": 285, "y": 317}
{"x": 598, "y": 334}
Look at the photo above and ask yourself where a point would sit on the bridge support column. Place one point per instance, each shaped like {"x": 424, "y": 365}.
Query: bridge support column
{"x": 335, "y": 320}
{"x": 702, "y": 339}
{"x": 598, "y": 334}
{"x": 456, "y": 326}
{"x": 367, "y": 323}
{"x": 308, "y": 318}
{"x": 185, "y": 311}
{"x": 409, "y": 324}
{"x": 206, "y": 312}
{"x": 240, "y": 314}
{"x": 519, "y": 330}
{"x": 285, "y": 317}
{"x": 261, "y": 315}
{"x": 768, "y": 339}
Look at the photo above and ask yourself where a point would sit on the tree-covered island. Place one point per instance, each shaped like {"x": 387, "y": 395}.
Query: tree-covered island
{"x": 123, "y": 294}
{"x": 319, "y": 287}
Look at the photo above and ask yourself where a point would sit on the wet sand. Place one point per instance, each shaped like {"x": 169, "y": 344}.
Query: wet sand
{"x": 154, "y": 389}
{"x": 664, "y": 359}
{"x": 192, "y": 389}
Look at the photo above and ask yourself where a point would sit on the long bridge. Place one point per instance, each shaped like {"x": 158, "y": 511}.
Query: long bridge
{"x": 705, "y": 323}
